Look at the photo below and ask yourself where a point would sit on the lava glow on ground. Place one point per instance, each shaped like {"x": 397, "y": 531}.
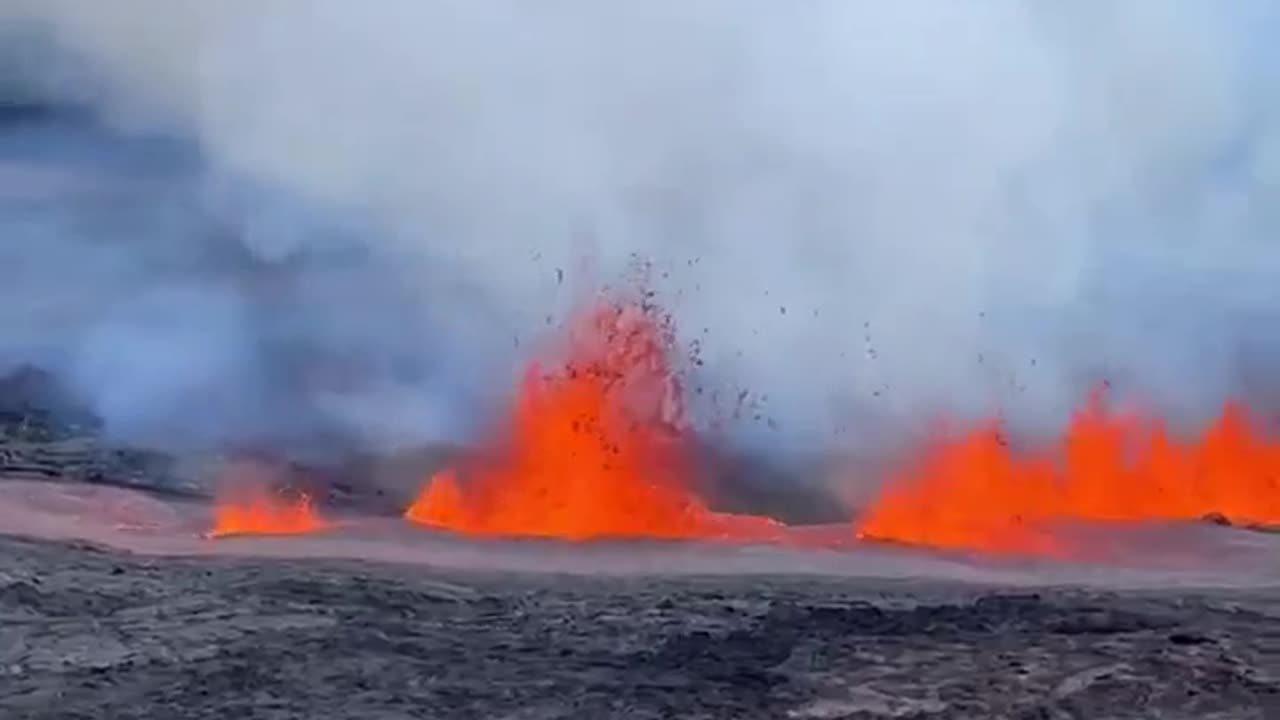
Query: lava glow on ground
{"x": 595, "y": 447}
{"x": 973, "y": 491}
{"x": 252, "y": 510}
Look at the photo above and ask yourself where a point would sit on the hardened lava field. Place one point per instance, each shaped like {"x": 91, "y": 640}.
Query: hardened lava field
{"x": 89, "y": 632}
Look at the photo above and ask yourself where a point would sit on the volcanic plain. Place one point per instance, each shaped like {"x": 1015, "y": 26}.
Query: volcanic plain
{"x": 375, "y": 619}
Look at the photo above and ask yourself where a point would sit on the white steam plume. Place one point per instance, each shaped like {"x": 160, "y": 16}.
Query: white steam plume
{"x": 877, "y": 210}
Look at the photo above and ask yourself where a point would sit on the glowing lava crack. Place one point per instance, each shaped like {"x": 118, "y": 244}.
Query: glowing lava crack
{"x": 594, "y": 448}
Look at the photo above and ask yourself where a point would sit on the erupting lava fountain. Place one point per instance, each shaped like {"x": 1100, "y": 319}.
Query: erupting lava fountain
{"x": 596, "y": 446}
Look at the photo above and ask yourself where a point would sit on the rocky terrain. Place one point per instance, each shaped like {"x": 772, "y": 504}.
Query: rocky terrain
{"x": 87, "y": 632}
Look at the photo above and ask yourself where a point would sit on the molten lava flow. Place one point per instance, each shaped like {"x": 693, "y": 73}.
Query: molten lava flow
{"x": 595, "y": 448}
{"x": 974, "y": 492}
{"x": 254, "y": 511}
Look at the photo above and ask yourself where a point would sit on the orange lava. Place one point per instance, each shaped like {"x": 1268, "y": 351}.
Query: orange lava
{"x": 974, "y": 492}
{"x": 596, "y": 448}
{"x": 254, "y": 511}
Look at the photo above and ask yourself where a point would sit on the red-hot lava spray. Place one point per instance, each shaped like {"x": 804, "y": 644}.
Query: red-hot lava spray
{"x": 255, "y": 510}
{"x": 595, "y": 446}
{"x": 973, "y": 491}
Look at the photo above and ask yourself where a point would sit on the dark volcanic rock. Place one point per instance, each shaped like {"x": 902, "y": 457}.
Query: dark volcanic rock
{"x": 47, "y": 433}
{"x": 90, "y": 634}
{"x": 34, "y": 406}
{"x": 1217, "y": 518}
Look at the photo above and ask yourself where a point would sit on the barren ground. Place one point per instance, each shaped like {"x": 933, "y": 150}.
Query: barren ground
{"x": 88, "y": 631}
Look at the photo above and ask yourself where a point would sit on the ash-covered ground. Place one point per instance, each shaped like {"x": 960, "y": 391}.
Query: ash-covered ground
{"x": 92, "y": 632}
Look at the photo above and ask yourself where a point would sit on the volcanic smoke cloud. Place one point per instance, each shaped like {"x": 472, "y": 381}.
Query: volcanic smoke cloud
{"x": 327, "y": 219}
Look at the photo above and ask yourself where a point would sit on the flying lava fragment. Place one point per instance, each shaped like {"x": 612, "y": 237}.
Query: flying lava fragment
{"x": 975, "y": 492}
{"x": 595, "y": 446}
{"x": 257, "y": 511}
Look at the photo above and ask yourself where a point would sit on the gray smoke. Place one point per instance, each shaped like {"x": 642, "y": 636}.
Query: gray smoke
{"x": 867, "y": 212}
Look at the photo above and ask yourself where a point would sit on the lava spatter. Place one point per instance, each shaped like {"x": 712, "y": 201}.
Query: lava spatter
{"x": 252, "y": 510}
{"x": 974, "y": 491}
{"x": 595, "y": 445}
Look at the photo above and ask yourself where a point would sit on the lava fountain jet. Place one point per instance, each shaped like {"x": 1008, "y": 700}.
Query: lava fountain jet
{"x": 973, "y": 491}
{"x": 596, "y": 446}
{"x": 257, "y": 511}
